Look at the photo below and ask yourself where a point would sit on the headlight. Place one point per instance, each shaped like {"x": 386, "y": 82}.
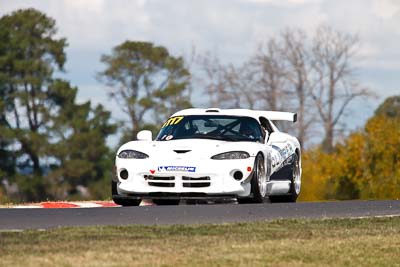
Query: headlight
{"x": 132, "y": 154}
{"x": 232, "y": 155}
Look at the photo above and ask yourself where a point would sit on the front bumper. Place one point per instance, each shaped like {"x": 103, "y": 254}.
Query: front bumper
{"x": 181, "y": 196}
{"x": 183, "y": 179}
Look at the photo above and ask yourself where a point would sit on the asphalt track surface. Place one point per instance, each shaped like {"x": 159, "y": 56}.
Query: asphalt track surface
{"x": 19, "y": 219}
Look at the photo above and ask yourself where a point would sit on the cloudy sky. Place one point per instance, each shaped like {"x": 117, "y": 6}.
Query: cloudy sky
{"x": 231, "y": 28}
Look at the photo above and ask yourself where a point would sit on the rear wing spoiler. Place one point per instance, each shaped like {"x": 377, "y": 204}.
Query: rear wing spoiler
{"x": 278, "y": 115}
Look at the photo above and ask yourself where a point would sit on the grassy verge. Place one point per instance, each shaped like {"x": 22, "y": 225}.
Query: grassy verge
{"x": 344, "y": 242}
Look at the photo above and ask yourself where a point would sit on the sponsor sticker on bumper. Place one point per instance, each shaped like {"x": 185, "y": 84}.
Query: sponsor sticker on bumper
{"x": 176, "y": 169}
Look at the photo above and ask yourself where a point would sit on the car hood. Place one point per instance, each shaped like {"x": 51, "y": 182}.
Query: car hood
{"x": 187, "y": 148}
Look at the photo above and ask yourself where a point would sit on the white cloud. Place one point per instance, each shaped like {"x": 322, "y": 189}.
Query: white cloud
{"x": 93, "y": 24}
{"x": 376, "y": 23}
{"x": 283, "y": 3}
{"x": 386, "y": 9}
{"x": 95, "y": 6}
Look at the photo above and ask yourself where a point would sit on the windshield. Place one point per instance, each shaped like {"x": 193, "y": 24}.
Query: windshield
{"x": 227, "y": 128}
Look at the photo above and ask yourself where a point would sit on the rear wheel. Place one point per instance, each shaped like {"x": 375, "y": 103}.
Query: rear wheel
{"x": 258, "y": 183}
{"x": 162, "y": 202}
{"x": 295, "y": 184}
{"x": 122, "y": 202}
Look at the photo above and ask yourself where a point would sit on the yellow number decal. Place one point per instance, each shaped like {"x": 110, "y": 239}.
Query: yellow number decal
{"x": 178, "y": 120}
{"x": 172, "y": 121}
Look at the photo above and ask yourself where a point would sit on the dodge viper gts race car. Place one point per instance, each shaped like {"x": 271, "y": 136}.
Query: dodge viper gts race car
{"x": 210, "y": 154}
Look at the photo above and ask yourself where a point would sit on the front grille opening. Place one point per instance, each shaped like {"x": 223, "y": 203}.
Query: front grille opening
{"x": 197, "y": 185}
{"x": 160, "y": 181}
{"x": 161, "y": 184}
{"x": 202, "y": 178}
{"x": 159, "y": 178}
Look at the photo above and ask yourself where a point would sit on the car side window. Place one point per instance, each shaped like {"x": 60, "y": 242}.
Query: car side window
{"x": 266, "y": 125}
{"x": 251, "y": 128}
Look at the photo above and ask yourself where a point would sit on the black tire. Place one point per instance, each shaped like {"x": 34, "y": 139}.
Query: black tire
{"x": 256, "y": 195}
{"x": 162, "y": 202}
{"x": 122, "y": 202}
{"x": 292, "y": 196}
{"x": 196, "y": 202}
{"x": 244, "y": 200}
{"x": 282, "y": 199}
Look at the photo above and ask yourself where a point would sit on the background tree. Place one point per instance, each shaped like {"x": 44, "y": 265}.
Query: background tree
{"x": 390, "y": 108}
{"x": 29, "y": 54}
{"x": 382, "y": 146}
{"x": 50, "y": 139}
{"x": 7, "y": 157}
{"x": 146, "y": 82}
{"x": 7, "y": 160}
{"x": 334, "y": 85}
{"x": 269, "y": 75}
{"x": 296, "y": 57}
{"x": 227, "y": 86}
{"x": 79, "y": 151}
{"x": 366, "y": 164}
{"x": 212, "y": 78}
{"x": 281, "y": 68}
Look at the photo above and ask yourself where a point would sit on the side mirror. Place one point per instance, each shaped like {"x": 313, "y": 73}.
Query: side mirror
{"x": 277, "y": 138}
{"x": 144, "y": 135}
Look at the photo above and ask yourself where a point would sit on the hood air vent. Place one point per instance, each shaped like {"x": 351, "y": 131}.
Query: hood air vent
{"x": 182, "y": 151}
{"x": 213, "y": 110}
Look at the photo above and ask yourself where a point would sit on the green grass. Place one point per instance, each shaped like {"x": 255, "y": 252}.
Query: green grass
{"x": 330, "y": 242}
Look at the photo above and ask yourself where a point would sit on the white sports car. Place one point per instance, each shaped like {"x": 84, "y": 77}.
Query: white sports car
{"x": 210, "y": 154}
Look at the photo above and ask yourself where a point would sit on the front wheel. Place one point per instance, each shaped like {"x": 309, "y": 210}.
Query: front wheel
{"x": 122, "y": 202}
{"x": 258, "y": 183}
